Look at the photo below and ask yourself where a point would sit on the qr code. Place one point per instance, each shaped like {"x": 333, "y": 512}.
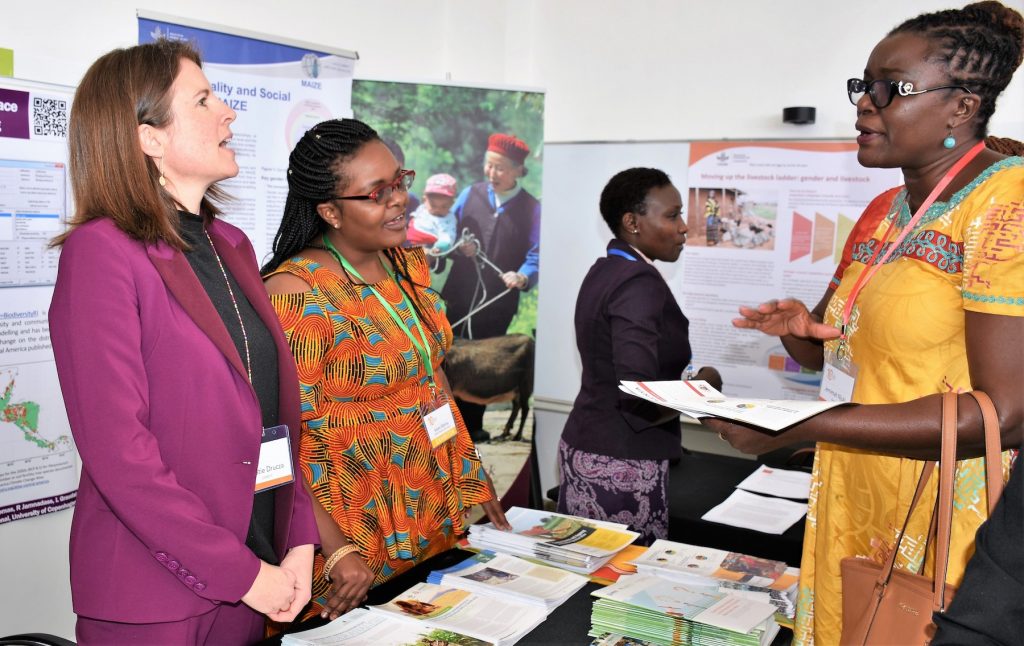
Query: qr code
{"x": 49, "y": 117}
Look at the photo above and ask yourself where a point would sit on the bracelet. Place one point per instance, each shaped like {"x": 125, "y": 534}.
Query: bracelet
{"x": 333, "y": 559}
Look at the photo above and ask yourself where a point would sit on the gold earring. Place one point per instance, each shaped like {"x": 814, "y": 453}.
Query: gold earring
{"x": 159, "y": 167}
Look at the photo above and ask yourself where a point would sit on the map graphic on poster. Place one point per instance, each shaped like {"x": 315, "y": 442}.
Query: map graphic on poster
{"x": 37, "y": 454}
{"x": 278, "y": 91}
{"x": 766, "y": 220}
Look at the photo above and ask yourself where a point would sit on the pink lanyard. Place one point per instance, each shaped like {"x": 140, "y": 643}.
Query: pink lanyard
{"x": 872, "y": 267}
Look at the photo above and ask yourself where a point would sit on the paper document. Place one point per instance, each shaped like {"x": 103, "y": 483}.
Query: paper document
{"x": 760, "y": 513}
{"x": 360, "y": 627}
{"x": 698, "y": 399}
{"x": 778, "y": 482}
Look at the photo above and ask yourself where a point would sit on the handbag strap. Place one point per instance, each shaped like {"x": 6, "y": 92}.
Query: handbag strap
{"x": 993, "y": 480}
{"x": 942, "y": 518}
{"x": 890, "y": 560}
{"x": 993, "y": 449}
{"x": 947, "y": 471}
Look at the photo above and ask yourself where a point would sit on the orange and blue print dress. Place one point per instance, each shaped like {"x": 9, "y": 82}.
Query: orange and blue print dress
{"x": 364, "y": 449}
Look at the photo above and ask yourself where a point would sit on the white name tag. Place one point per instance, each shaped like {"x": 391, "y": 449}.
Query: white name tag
{"x": 275, "y": 465}
{"x": 837, "y": 382}
{"x": 440, "y": 424}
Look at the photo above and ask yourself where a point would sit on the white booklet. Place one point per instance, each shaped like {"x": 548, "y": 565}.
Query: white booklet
{"x": 699, "y": 399}
{"x": 708, "y": 566}
{"x": 510, "y": 577}
{"x": 498, "y": 621}
{"x": 571, "y": 542}
{"x": 760, "y": 513}
{"x": 360, "y": 627}
{"x": 778, "y": 482}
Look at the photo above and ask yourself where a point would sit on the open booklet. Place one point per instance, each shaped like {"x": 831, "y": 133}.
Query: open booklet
{"x": 656, "y": 609}
{"x": 427, "y": 614}
{"x": 360, "y": 627}
{"x": 570, "y": 542}
{"x": 510, "y": 577}
{"x": 699, "y": 399}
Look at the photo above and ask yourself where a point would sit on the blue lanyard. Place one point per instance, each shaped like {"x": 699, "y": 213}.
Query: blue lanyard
{"x": 621, "y": 254}
{"x": 493, "y": 200}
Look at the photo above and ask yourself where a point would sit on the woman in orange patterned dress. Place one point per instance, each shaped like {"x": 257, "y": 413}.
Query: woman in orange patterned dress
{"x": 388, "y": 459}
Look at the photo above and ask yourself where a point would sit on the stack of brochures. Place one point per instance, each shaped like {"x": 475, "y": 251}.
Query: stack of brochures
{"x": 568, "y": 542}
{"x": 698, "y": 399}
{"x": 661, "y": 611}
{"x": 748, "y": 576}
{"x": 428, "y": 614}
{"x": 513, "y": 578}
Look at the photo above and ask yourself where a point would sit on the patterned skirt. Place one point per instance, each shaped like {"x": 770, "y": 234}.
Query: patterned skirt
{"x": 634, "y": 492}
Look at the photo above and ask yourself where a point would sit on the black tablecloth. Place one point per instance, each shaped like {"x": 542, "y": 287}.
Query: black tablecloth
{"x": 700, "y": 481}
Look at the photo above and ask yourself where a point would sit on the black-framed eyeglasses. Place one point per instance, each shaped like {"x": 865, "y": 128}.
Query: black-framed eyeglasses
{"x": 382, "y": 194}
{"x": 881, "y": 92}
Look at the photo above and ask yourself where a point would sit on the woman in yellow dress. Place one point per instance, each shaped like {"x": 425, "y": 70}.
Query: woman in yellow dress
{"x": 368, "y": 334}
{"x": 928, "y": 304}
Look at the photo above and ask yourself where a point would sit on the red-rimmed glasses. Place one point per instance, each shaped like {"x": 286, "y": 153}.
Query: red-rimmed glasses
{"x": 382, "y": 194}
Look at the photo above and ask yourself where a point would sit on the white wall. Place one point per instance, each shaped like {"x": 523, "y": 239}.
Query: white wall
{"x": 646, "y": 69}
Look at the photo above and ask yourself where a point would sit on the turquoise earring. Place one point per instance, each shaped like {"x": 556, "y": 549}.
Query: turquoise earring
{"x": 949, "y": 141}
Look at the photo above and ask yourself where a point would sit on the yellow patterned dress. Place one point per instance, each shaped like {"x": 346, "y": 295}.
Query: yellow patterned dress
{"x": 364, "y": 449}
{"x": 906, "y": 336}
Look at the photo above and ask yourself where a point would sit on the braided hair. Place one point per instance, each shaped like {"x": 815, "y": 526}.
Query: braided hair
{"x": 980, "y": 43}
{"x": 315, "y": 173}
{"x": 1005, "y": 146}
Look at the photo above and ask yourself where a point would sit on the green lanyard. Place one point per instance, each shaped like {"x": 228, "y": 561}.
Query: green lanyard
{"x": 422, "y": 348}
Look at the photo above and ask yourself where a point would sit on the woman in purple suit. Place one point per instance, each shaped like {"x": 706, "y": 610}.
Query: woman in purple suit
{"x": 179, "y": 386}
{"x": 615, "y": 448}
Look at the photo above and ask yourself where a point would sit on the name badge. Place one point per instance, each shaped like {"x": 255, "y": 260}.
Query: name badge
{"x": 438, "y": 419}
{"x": 275, "y": 465}
{"x": 837, "y": 380}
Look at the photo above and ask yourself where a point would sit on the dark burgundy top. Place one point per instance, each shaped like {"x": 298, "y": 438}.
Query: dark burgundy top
{"x": 628, "y": 327}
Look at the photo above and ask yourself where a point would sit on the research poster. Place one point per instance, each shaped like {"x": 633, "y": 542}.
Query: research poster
{"x": 38, "y": 472}
{"x": 766, "y": 220}
{"x": 278, "y": 91}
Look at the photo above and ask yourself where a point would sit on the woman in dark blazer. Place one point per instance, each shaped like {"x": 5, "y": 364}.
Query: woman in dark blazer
{"x": 175, "y": 373}
{"x": 615, "y": 448}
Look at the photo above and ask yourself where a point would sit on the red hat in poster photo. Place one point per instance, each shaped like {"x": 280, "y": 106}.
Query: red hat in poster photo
{"x": 509, "y": 146}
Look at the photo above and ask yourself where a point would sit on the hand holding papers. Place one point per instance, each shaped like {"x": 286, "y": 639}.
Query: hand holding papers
{"x": 698, "y": 399}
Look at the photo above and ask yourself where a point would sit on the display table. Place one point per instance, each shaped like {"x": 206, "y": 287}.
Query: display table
{"x": 567, "y": 624}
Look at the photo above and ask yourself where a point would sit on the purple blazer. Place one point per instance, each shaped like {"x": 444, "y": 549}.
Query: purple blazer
{"x": 167, "y": 425}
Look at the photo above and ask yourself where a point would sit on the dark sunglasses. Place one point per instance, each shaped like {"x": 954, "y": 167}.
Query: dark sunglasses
{"x": 382, "y": 194}
{"x": 881, "y": 92}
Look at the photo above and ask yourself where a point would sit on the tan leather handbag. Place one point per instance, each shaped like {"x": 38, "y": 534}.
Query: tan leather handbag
{"x": 884, "y": 605}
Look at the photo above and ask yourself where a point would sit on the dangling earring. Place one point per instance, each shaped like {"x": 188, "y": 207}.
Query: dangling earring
{"x": 950, "y": 140}
{"x": 160, "y": 169}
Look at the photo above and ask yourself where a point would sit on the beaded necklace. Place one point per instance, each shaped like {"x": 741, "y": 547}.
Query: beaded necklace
{"x": 234, "y": 302}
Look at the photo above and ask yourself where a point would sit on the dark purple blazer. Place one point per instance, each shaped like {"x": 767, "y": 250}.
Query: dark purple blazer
{"x": 167, "y": 425}
{"x": 628, "y": 328}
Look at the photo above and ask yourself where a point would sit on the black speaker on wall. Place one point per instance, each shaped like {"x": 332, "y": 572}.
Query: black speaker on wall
{"x": 799, "y": 115}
